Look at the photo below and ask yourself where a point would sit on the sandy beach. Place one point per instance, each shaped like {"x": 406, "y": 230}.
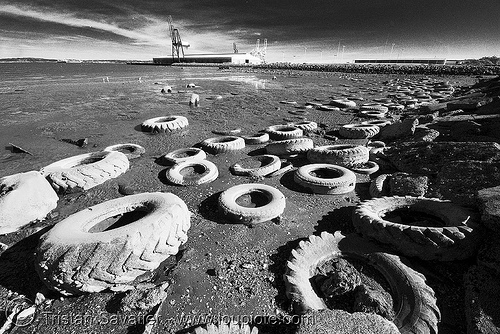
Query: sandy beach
{"x": 224, "y": 269}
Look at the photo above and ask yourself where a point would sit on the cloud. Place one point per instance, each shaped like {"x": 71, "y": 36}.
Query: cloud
{"x": 73, "y": 21}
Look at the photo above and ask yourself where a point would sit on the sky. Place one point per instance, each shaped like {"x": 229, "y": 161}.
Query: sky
{"x": 316, "y": 31}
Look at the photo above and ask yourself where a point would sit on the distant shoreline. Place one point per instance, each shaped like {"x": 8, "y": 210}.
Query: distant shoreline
{"x": 71, "y": 61}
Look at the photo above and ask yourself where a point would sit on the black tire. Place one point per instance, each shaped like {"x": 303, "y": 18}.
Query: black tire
{"x": 457, "y": 239}
{"x": 290, "y": 146}
{"x": 256, "y": 139}
{"x": 283, "y": 132}
{"x": 379, "y": 186}
{"x": 415, "y": 302}
{"x": 72, "y": 259}
{"x": 223, "y": 144}
{"x": 345, "y": 155}
{"x": 342, "y": 182}
{"x": 273, "y": 208}
{"x": 85, "y": 171}
{"x": 207, "y": 173}
{"x": 268, "y": 164}
{"x": 368, "y": 168}
{"x": 185, "y": 154}
{"x": 164, "y": 124}
{"x": 132, "y": 151}
{"x": 359, "y": 131}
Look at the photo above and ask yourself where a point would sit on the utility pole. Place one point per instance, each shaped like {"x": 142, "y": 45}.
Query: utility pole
{"x": 343, "y": 49}
{"x": 392, "y": 49}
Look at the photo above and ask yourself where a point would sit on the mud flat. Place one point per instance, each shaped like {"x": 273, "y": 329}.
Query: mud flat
{"x": 225, "y": 270}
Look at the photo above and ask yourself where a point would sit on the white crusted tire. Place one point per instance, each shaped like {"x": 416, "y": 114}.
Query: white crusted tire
{"x": 379, "y": 122}
{"x": 345, "y": 155}
{"x": 343, "y": 103}
{"x": 185, "y": 154}
{"x": 379, "y": 186}
{"x": 256, "y": 139}
{"x": 164, "y": 124}
{"x": 223, "y": 328}
{"x": 359, "y": 131}
{"x": 368, "y": 168}
{"x": 290, "y": 146}
{"x": 372, "y": 114}
{"x": 132, "y": 151}
{"x": 81, "y": 254}
{"x": 446, "y": 231}
{"x": 259, "y": 165}
{"x": 306, "y": 125}
{"x": 414, "y": 301}
{"x": 282, "y": 132}
{"x": 374, "y": 107}
{"x": 325, "y": 179}
{"x": 273, "y": 206}
{"x": 85, "y": 171}
{"x": 223, "y": 144}
{"x": 199, "y": 172}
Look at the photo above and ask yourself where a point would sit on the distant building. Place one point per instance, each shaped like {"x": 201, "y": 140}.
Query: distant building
{"x": 233, "y": 58}
{"x": 432, "y": 61}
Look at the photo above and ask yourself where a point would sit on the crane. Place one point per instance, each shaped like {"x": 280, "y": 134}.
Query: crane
{"x": 260, "y": 52}
{"x": 177, "y": 44}
{"x": 235, "y": 48}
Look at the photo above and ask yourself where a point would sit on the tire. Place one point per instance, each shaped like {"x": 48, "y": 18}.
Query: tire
{"x": 458, "y": 239}
{"x": 224, "y": 328}
{"x": 282, "y": 132}
{"x": 237, "y": 213}
{"x": 359, "y": 131}
{"x": 344, "y": 155}
{"x": 379, "y": 186}
{"x": 287, "y": 166}
{"x": 223, "y": 144}
{"x": 208, "y": 173}
{"x": 72, "y": 259}
{"x": 185, "y": 154}
{"x": 379, "y": 122}
{"x": 343, "y": 103}
{"x": 256, "y": 139}
{"x": 372, "y": 113}
{"x": 164, "y": 124}
{"x": 306, "y": 125}
{"x": 269, "y": 164}
{"x": 374, "y": 107}
{"x": 132, "y": 151}
{"x": 415, "y": 303}
{"x": 227, "y": 132}
{"x": 368, "y": 168}
{"x": 85, "y": 171}
{"x": 343, "y": 182}
{"x": 328, "y": 108}
{"x": 290, "y": 146}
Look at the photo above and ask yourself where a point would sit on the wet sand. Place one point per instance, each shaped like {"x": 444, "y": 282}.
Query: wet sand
{"x": 225, "y": 269}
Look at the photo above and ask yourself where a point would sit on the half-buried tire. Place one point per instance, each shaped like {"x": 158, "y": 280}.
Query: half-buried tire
{"x": 269, "y": 203}
{"x": 185, "y": 154}
{"x": 192, "y": 172}
{"x": 259, "y": 165}
{"x": 91, "y": 251}
{"x": 345, "y": 155}
{"x": 85, "y": 171}
{"x": 325, "y": 179}
{"x": 427, "y": 228}
{"x": 132, "y": 151}
{"x": 414, "y": 301}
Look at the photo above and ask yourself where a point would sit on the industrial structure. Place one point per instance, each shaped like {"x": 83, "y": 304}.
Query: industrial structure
{"x": 256, "y": 56}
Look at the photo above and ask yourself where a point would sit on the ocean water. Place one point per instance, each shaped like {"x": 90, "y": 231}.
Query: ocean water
{"x": 22, "y": 75}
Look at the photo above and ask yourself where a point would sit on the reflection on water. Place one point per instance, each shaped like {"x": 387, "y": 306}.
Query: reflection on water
{"x": 249, "y": 79}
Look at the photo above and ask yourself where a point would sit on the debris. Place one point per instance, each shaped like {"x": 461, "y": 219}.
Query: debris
{"x": 17, "y": 149}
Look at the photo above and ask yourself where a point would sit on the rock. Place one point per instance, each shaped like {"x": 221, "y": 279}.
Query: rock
{"x": 482, "y": 301}
{"x": 459, "y": 181}
{"x": 398, "y": 130}
{"x": 24, "y": 197}
{"x": 423, "y": 133}
{"x": 429, "y": 158}
{"x": 403, "y": 184}
{"x": 489, "y": 205}
{"x": 144, "y": 299}
{"x": 342, "y": 322}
